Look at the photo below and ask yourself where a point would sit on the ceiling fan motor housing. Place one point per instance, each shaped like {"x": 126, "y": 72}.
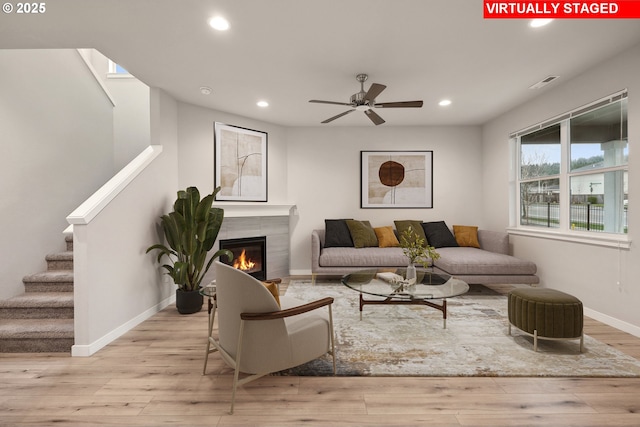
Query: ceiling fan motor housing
{"x": 357, "y": 99}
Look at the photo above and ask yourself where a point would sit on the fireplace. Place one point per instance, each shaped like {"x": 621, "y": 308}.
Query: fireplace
{"x": 249, "y": 255}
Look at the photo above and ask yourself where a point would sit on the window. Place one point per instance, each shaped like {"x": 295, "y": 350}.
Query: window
{"x": 573, "y": 170}
{"x": 117, "y": 71}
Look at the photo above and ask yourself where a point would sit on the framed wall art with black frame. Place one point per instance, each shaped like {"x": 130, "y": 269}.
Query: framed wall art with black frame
{"x": 240, "y": 163}
{"x": 396, "y": 179}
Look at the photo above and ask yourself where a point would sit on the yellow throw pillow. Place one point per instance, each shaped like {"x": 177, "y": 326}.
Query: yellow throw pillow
{"x": 273, "y": 288}
{"x": 466, "y": 235}
{"x": 386, "y": 237}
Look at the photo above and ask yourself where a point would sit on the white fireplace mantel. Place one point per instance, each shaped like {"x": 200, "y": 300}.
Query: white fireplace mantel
{"x": 244, "y": 210}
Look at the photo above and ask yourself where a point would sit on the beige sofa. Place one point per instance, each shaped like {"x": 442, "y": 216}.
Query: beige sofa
{"x": 491, "y": 264}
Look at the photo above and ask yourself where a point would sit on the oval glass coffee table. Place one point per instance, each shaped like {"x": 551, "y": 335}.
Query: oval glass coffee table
{"x": 394, "y": 288}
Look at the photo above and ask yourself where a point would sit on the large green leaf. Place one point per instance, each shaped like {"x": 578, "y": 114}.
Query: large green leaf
{"x": 216, "y": 215}
{"x": 180, "y": 272}
{"x": 202, "y": 211}
{"x": 190, "y": 205}
{"x": 172, "y": 225}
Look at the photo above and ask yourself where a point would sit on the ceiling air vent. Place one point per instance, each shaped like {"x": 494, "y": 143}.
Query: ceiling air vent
{"x": 543, "y": 82}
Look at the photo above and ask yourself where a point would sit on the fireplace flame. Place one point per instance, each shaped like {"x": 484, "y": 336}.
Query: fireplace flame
{"x": 243, "y": 263}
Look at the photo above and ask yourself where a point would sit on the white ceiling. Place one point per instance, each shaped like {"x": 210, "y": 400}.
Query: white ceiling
{"x": 290, "y": 51}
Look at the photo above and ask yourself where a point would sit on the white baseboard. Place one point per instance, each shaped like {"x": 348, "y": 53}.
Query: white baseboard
{"x": 300, "y": 272}
{"x": 612, "y": 321}
{"x": 88, "y": 350}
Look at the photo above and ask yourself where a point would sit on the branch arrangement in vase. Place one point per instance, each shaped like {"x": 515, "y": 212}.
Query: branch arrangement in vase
{"x": 416, "y": 248}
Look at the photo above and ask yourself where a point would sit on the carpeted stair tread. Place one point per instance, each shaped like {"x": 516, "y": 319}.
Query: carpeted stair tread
{"x": 39, "y": 299}
{"x": 36, "y": 328}
{"x": 60, "y": 256}
{"x": 60, "y": 261}
{"x": 50, "y": 276}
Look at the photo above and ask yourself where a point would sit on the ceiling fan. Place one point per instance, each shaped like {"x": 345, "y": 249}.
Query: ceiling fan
{"x": 366, "y": 101}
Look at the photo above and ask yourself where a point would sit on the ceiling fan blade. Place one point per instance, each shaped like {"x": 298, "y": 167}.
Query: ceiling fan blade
{"x": 405, "y": 104}
{"x": 330, "y": 119}
{"x": 375, "y": 118}
{"x": 330, "y": 102}
{"x": 373, "y": 92}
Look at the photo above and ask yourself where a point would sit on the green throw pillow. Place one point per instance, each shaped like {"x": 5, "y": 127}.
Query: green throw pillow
{"x": 362, "y": 233}
{"x": 416, "y": 226}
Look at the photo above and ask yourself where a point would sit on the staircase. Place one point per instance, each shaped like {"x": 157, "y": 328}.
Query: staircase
{"x": 41, "y": 319}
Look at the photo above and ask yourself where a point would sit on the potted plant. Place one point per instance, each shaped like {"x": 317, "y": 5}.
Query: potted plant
{"x": 190, "y": 232}
{"x": 417, "y": 250}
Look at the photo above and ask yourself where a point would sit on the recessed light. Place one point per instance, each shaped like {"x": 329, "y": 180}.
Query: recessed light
{"x": 536, "y": 23}
{"x": 444, "y": 102}
{"x": 262, "y": 104}
{"x": 219, "y": 23}
{"x": 205, "y": 90}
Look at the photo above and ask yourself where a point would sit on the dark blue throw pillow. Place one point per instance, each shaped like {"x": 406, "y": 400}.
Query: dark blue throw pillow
{"x": 337, "y": 234}
{"x": 439, "y": 235}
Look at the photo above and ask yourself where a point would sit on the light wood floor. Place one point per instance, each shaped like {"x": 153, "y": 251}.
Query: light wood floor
{"x": 152, "y": 376}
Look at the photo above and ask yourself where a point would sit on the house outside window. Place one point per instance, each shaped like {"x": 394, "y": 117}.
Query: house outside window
{"x": 572, "y": 171}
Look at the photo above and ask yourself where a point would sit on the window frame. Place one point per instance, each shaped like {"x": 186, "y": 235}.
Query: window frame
{"x": 564, "y": 231}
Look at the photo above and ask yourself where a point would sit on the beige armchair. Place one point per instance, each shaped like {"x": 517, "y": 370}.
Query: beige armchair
{"x": 256, "y": 336}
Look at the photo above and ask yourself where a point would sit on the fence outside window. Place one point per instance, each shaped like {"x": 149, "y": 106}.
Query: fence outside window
{"x": 583, "y": 216}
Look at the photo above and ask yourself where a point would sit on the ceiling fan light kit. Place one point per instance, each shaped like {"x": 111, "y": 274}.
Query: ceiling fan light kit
{"x": 366, "y": 101}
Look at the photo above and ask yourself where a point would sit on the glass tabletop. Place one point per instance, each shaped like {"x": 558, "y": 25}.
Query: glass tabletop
{"x": 392, "y": 283}
{"x": 208, "y": 291}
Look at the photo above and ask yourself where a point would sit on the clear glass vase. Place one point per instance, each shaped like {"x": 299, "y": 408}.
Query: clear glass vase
{"x": 411, "y": 272}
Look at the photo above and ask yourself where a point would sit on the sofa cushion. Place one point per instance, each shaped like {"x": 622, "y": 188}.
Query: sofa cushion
{"x": 466, "y": 235}
{"x": 473, "y": 261}
{"x": 362, "y": 234}
{"x": 386, "y": 237}
{"x": 363, "y": 257}
{"x": 416, "y": 226}
{"x": 337, "y": 234}
{"x": 439, "y": 235}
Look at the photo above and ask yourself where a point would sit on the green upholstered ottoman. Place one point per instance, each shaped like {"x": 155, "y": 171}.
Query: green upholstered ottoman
{"x": 547, "y": 314}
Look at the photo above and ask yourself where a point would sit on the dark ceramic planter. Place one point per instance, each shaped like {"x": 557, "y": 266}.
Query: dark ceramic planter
{"x": 188, "y": 302}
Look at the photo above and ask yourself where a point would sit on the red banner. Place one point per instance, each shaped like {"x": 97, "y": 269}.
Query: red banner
{"x": 622, "y": 9}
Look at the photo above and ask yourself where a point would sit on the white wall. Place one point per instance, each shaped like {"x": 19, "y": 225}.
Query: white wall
{"x": 324, "y": 166}
{"x": 318, "y": 169}
{"x": 56, "y": 139}
{"x": 131, "y": 110}
{"x": 589, "y": 272}
{"x": 118, "y": 285}
{"x": 195, "y": 157}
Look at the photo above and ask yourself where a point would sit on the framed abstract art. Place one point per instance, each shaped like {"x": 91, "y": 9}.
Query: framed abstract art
{"x": 396, "y": 179}
{"x": 240, "y": 163}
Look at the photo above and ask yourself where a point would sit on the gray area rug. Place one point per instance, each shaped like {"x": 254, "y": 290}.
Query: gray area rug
{"x": 411, "y": 341}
